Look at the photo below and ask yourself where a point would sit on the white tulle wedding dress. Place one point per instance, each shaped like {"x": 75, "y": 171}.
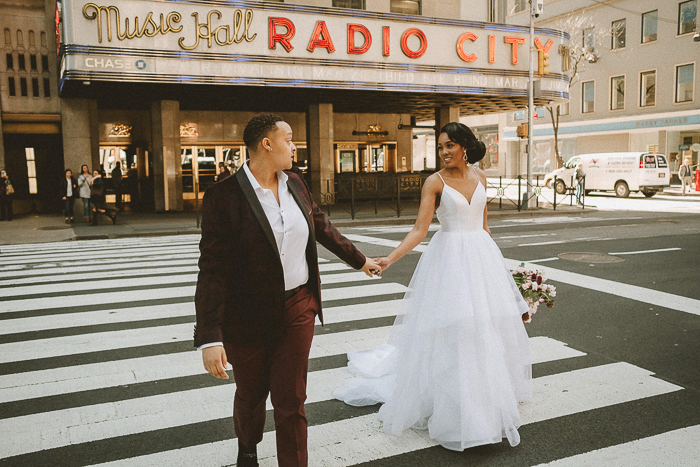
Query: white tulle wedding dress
{"x": 458, "y": 360}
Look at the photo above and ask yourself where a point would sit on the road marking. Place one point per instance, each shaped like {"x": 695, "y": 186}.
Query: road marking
{"x": 554, "y": 242}
{"x": 361, "y": 439}
{"x": 633, "y": 292}
{"x": 644, "y": 251}
{"x": 56, "y": 273}
{"x": 677, "y": 448}
{"x": 543, "y": 260}
{"x": 526, "y": 236}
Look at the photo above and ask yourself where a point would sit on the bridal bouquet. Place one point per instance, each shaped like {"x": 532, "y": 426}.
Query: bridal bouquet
{"x": 533, "y": 289}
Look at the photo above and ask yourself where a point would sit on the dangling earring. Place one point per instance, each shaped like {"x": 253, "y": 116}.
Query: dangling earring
{"x": 466, "y": 159}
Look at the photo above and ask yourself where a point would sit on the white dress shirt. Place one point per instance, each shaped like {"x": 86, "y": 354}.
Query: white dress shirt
{"x": 290, "y": 229}
{"x": 69, "y": 190}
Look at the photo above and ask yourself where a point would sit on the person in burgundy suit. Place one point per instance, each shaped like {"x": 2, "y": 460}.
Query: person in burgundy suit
{"x": 258, "y": 289}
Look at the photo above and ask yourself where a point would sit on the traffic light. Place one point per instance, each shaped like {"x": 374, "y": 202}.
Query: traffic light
{"x": 542, "y": 63}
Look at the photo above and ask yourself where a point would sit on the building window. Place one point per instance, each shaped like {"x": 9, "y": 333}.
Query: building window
{"x": 20, "y": 38}
{"x": 685, "y": 82}
{"x": 354, "y": 4}
{"x": 9, "y": 61}
{"x": 617, "y": 93}
{"x": 564, "y": 108}
{"x": 31, "y": 169}
{"x": 619, "y": 33}
{"x": 23, "y": 86}
{"x": 32, "y": 62}
{"x": 406, "y": 7}
{"x": 589, "y": 39}
{"x": 649, "y": 24}
{"x": 687, "y": 15}
{"x": 44, "y": 63}
{"x": 20, "y": 61}
{"x": 587, "y": 97}
{"x": 11, "y": 86}
{"x": 520, "y": 5}
{"x": 35, "y": 87}
{"x": 8, "y": 37}
{"x": 647, "y": 89}
{"x": 47, "y": 88}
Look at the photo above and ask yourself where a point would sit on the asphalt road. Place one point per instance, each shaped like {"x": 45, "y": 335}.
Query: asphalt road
{"x": 656, "y": 251}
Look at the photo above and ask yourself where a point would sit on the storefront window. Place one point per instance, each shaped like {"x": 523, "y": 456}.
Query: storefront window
{"x": 649, "y": 24}
{"x": 377, "y": 160}
{"x": 520, "y": 5}
{"x": 109, "y": 156}
{"x": 347, "y": 161}
{"x": 648, "y": 89}
{"x": 489, "y": 136}
{"x": 684, "y": 82}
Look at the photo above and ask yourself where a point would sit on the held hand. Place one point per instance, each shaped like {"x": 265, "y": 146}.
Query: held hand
{"x": 371, "y": 267}
{"x": 215, "y": 362}
{"x": 383, "y": 263}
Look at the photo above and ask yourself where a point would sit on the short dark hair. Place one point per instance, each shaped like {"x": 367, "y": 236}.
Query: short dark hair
{"x": 258, "y": 127}
{"x": 464, "y": 136}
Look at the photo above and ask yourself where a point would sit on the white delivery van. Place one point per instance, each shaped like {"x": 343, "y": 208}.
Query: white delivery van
{"x": 620, "y": 172}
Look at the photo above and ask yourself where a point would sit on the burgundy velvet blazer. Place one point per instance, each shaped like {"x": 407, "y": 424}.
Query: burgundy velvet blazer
{"x": 240, "y": 287}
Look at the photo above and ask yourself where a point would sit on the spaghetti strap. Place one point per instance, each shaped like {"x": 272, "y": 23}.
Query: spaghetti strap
{"x": 443, "y": 180}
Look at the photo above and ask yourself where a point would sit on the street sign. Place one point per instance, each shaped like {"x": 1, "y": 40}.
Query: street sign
{"x": 684, "y": 147}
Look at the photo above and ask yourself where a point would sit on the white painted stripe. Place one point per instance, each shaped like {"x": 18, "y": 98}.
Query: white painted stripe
{"x": 90, "y": 249}
{"x": 44, "y": 383}
{"x": 360, "y": 439}
{"x": 543, "y": 260}
{"x": 526, "y": 236}
{"x": 77, "y": 301}
{"x": 554, "y": 242}
{"x": 677, "y": 448}
{"x": 58, "y": 273}
{"x": 344, "y": 293}
{"x": 324, "y": 345}
{"x": 328, "y": 267}
{"x": 95, "y": 318}
{"x": 79, "y": 244}
{"x": 380, "y": 241}
{"x": 95, "y": 275}
{"x": 345, "y": 313}
{"x": 633, "y": 292}
{"x": 103, "y": 262}
{"x": 97, "y": 285}
{"x": 643, "y": 251}
{"x": 344, "y": 277}
{"x": 116, "y": 254}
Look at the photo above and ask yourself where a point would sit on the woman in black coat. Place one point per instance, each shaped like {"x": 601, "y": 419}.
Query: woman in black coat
{"x": 69, "y": 192}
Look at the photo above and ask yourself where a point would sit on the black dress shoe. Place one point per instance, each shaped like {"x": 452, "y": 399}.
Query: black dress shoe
{"x": 247, "y": 457}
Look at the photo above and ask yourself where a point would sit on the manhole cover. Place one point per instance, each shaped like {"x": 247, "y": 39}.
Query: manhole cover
{"x": 591, "y": 257}
{"x": 53, "y": 227}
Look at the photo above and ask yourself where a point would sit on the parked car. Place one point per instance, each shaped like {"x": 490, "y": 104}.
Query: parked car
{"x": 621, "y": 172}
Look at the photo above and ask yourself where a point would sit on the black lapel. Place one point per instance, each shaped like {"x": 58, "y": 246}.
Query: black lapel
{"x": 256, "y": 207}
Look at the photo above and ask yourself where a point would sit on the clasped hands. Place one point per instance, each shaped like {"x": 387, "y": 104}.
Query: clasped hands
{"x": 375, "y": 266}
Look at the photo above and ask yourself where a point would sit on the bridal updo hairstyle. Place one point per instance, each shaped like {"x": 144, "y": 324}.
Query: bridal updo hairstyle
{"x": 462, "y": 135}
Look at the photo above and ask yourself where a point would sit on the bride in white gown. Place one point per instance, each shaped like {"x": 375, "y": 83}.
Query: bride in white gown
{"x": 458, "y": 359}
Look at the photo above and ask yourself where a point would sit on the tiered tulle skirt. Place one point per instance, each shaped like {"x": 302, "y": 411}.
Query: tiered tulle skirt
{"x": 458, "y": 360}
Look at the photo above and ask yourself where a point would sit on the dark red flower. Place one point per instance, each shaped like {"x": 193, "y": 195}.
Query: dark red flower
{"x": 539, "y": 280}
{"x": 534, "y": 276}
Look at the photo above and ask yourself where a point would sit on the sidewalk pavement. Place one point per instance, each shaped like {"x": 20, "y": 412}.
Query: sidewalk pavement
{"x": 675, "y": 190}
{"x": 41, "y": 228}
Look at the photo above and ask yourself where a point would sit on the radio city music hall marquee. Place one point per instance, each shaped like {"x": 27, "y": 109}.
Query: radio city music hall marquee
{"x": 276, "y": 44}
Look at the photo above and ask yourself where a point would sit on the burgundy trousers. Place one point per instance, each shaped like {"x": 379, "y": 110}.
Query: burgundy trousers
{"x": 279, "y": 371}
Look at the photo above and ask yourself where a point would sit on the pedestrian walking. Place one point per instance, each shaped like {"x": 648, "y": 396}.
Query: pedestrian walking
{"x": 6, "y": 194}
{"x": 685, "y": 173}
{"x": 458, "y": 360}
{"x": 117, "y": 180}
{"x": 223, "y": 172}
{"x": 69, "y": 192}
{"x": 84, "y": 182}
{"x": 97, "y": 199}
{"x": 580, "y": 183}
{"x": 258, "y": 290}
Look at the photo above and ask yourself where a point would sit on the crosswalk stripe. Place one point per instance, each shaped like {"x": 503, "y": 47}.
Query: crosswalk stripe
{"x": 677, "y": 448}
{"x": 65, "y": 380}
{"x": 118, "y": 253}
{"x": 96, "y": 264}
{"x": 144, "y": 269}
{"x": 99, "y": 421}
{"x": 360, "y": 439}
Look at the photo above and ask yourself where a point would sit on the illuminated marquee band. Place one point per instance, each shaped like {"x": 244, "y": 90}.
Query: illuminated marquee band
{"x": 97, "y": 34}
